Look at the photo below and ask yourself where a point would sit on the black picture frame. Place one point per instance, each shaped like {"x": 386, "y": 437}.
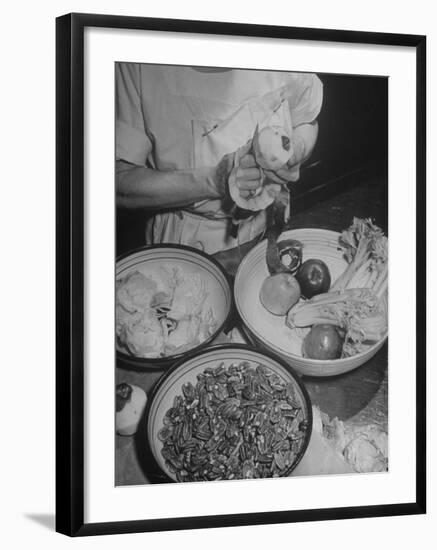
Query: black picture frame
{"x": 70, "y": 272}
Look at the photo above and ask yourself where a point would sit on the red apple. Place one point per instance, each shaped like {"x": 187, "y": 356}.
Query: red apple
{"x": 323, "y": 342}
{"x": 279, "y": 293}
{"x": 313, "y": 277}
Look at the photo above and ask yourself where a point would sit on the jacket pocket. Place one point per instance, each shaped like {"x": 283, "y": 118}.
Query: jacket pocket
{"x": 214, "y": 139}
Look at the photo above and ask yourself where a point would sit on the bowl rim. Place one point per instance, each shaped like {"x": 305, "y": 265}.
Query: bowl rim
{"x": 131, "y": 361}
{"x": 307, "y": 360}
{"x": 217, "y": 347}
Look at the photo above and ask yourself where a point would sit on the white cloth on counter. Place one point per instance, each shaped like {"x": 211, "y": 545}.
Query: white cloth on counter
{"x": 338, "y": 447}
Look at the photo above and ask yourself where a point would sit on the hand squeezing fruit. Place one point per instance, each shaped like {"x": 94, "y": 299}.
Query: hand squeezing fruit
{"x": 271, "y": 147}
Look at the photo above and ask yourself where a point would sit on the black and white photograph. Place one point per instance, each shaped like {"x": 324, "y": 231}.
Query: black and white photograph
{"x": 251, "y": 274}
{"x": 215, "y": 275}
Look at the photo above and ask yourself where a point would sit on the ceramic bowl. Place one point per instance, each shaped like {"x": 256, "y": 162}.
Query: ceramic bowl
{"x": 190, "y": 261}
{"x": 269, "y": 331}
{"x": 170, "y": 385}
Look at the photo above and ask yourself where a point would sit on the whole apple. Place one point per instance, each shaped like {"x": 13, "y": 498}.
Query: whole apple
{"x": 323, "y": 342}
{"x": 313, "y": 277}
{"x": 279, "y": 293}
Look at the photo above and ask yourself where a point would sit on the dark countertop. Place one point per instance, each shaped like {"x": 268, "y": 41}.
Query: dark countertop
{"x": 360, "y": 395}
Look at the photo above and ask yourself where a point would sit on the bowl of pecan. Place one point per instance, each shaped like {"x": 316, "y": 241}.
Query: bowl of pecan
{"x": 228, "y": 412}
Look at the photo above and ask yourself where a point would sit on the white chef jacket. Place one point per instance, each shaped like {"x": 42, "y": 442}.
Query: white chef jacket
{"x": 178, "y": 118}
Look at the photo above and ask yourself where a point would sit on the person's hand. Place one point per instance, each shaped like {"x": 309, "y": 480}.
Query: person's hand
{"x": 249, "y": 178}
{"x": 241, "y": 166}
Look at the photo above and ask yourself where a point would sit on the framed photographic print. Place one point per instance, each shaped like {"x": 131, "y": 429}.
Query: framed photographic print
{"x": 240, "y": 233}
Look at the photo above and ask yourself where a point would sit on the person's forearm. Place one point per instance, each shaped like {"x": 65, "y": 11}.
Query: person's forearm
{"x": 305, "y": 137}
{"x": 141, "y": 187}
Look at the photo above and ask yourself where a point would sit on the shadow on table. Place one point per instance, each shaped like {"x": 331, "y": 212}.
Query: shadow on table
{"x": 354, "y": 392}
{"x": 46, "y": 520}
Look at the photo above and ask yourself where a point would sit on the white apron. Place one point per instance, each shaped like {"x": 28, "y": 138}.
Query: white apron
{"x": 206, "y": 226}
{"x": 175, "y": 118}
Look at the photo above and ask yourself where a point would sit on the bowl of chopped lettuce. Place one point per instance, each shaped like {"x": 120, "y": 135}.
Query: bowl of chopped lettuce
{"x": 169, "y": 300}
{"x": 225, "y": 413}
{"x": 356, "y": 303}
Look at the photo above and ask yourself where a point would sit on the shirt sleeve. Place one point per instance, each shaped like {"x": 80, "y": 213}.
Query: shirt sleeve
{"x": 306, "y": 102}
{"x": 132, "y": 143}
